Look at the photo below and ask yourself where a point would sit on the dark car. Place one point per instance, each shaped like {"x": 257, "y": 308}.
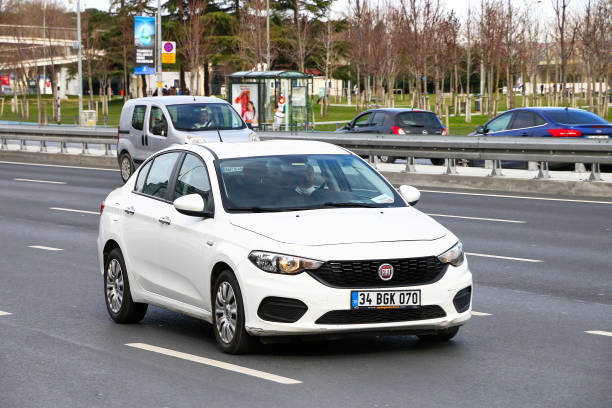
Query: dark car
{"x": 547, "y": 122}
{"x": 398, "y": 122}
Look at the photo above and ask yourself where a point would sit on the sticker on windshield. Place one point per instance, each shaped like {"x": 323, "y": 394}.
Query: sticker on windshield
{"x": 234, "y": 169}
{"x": 382, "y": 199}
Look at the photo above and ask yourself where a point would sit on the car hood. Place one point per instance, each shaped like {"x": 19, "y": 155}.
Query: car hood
{"x": 342, "y": 225}
{"x": 237, "y": 135}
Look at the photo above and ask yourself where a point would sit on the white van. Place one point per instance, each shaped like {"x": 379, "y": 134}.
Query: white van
{"x": 148, "y": 125}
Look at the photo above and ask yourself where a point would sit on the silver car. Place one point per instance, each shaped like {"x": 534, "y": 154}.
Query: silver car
{"x": 148, "y": 125}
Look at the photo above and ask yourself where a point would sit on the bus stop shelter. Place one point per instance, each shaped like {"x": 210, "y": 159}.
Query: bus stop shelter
{"x": 272, "y": 100}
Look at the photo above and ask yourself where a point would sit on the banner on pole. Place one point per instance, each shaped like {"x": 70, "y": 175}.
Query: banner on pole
{"x": 168, "y": 52}
{"x": 144, "y": 40}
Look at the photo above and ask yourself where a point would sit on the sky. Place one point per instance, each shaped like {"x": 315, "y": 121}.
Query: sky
{"x": 460, "y": 6}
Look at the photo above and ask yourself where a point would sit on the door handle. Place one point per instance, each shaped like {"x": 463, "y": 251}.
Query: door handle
{"x": 164, "y": 220}
{"x": 129, "y": 210}
{"x": 142, "y": 139}
{"x": 146, "y": 139}
{"x": 524, "y": 134}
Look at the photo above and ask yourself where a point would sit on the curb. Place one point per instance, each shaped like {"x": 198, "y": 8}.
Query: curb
{"x": 514, "y": 185}
{"x": 61, "y": 159}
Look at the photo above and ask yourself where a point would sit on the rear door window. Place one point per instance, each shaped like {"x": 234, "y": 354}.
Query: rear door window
{"x": 523, "y": 119}
{"x": 378, "y": 119}
{"x": 138, "y": 116}
{"x": 142, "y": 176}
{"x": 156, "y": 184}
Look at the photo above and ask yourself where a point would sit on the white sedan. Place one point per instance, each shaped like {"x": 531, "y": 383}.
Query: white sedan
{"x": 279, "y": 238}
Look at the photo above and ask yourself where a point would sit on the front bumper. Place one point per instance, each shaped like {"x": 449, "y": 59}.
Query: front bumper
{"x": 257, "y": 285}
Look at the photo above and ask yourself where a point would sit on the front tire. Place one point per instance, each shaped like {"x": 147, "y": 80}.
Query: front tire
{"x": 441, "y": 335}
{"x": 437, "y": 162}
{"x": 119, "y": 303}
{"x": 228, "y": 315}
{"x": 387, "y": 159}
{"x": 126, "y": 166}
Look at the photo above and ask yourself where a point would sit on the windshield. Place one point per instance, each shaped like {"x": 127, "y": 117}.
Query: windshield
{"x": 204, "y": 116}
{"x": 302, "y": 182}
{"x": 575, "y": 117}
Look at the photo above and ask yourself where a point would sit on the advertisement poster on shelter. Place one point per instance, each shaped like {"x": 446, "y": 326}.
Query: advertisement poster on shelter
{"x": 245, "y": 99}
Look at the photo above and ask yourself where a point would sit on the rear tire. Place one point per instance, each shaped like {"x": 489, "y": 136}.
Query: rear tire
{"x": 126, "y": 166}
{"x": 228, "y": 315}
{"x": 387, "y": 159}
{"x": 437, "y": 162}
{"x": 441, "y": 335}
{"x": 119, "y": 303}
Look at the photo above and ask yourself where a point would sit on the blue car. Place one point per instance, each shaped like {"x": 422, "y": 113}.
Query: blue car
{"x": 547, "y": 122}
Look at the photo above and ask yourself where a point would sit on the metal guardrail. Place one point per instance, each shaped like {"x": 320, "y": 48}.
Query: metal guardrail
{"x": 449, "y": 148}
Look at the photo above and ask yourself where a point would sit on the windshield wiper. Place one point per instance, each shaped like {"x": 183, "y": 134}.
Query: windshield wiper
{"x": 365, "y": 205}
{"x": 254, "y": 209}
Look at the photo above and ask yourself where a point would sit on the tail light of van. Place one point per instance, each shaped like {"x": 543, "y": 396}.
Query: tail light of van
{"x": 444, "y": 132}
{"x": 565, "y": 132}
{"x": 397, "y": 130}
{"x": 101, "y": 207}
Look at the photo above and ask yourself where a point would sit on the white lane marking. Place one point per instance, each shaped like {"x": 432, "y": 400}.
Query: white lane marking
{"x": 73, "y": 210}
{"x": 599, "y": 332}
{"x": 215, "y": 363}
{"x": 46, "y": 248}
{"x": 40, "y": 181}
{"x": 4, "y": 313}
{"x": 58, "y": 165}
{"x": 509, "y": 258}
{"x": 569, "y": 200}
{"x": 475, "y": 313}
{"x": 477, "y": 218}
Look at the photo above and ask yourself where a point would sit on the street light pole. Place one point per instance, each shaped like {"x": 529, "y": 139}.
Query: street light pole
{"x": 159, "y": 49}
{"x": 268, "y": 34}
{"x": 80, "y": 56}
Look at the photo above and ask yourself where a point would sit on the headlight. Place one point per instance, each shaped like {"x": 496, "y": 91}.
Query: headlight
{"x": 453, "y": 256}
{"x": 284, "y": 264}
{"x": 253, "y": 137}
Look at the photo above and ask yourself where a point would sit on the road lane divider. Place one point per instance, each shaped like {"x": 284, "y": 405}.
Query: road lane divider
{"x": 4, "y": 313}
{"x": 39, "y": 181}
{"x": 478, "y": 218}
{"x": 507, "y": 258}
{"x": 215, "y": 363}
{"x": 599, "y": 332}
{"x": 475, "y": 313}
{"x": 569, "y": 200}
{"x": 45, "y": 248}
{"x": 74, "y": 210}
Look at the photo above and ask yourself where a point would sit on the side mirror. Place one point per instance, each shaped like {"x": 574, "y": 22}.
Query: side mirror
{"x": 481, "y": 130}
{"x": 250, "y": 126}
{"x": 410, "y": 194}
{"x": 193, "y": 205}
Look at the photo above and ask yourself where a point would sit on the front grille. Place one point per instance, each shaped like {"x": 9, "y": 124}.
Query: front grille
{"x": 364, "y": 316}
{"x": 364, "y": 274}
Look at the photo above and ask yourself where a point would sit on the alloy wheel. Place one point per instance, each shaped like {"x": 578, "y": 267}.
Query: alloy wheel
{"x": 114, "y": 286}
{"x": 126, "y": 168}
{"x": 226, "y": 312}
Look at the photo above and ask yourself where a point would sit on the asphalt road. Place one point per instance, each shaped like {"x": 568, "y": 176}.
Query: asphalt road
{"x": 528, "y": 347}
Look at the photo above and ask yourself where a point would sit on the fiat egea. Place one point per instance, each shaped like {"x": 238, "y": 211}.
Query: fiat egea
{"x": 279, "y": 238}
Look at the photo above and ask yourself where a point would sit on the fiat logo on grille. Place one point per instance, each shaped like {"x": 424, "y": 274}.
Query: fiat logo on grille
{"x": 385, "y": 272}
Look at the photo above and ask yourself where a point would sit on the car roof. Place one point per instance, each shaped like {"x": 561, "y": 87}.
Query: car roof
{"x": 545, "y": 109}
{"x": 179, "y": 99}
{"x": 269, "y": 148}
{"x": 398, "y": 110}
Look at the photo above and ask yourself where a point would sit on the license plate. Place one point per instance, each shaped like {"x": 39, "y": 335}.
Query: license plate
{"x": 389, "y": 299}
